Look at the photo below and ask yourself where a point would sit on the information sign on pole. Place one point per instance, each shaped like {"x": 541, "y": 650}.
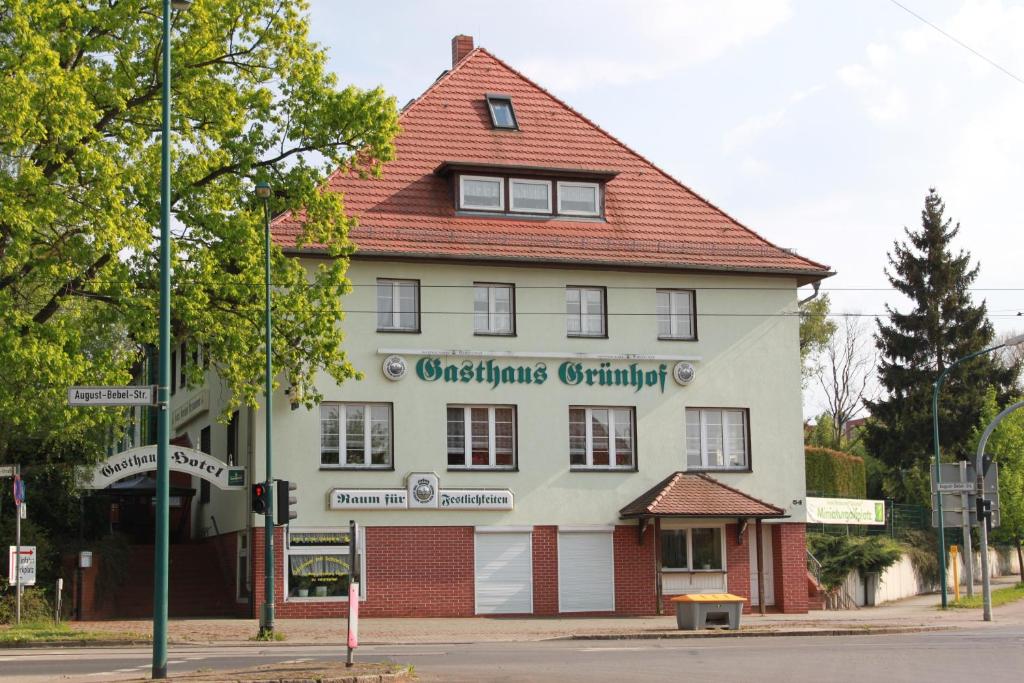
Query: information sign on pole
{"x": 112, "y": 396}
{"x": 6, "y": 471}
{"x": 26, "y": 563}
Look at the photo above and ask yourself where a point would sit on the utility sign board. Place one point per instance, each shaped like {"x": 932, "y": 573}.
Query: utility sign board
{"x": 956, "y": 487}
{"x": 27, "y": 564}
{"x": 6, "y": 471}
{"x": 112, "y": 396}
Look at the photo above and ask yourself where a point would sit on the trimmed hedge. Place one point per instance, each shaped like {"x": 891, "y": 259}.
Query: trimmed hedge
{"x": 834, "y": 474}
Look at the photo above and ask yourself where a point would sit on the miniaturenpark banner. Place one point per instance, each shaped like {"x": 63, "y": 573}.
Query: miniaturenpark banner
{"x": 845, "y": 511}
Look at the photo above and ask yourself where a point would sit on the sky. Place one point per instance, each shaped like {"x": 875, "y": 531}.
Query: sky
{"x": 820, "y": 125}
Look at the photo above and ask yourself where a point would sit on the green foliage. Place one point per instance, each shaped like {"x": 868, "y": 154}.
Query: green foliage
{"x": 834, "y": 474}
{"x": 80, "y": 92}
{"x": 1005, "y": 446}
{"x": 840, "y": 555}
{"x": 1000, "y": 597}
{"x": 32, "y": 533}
{"x": 943, "y": 326}
{"x": 34, "y": 606}
{"x": 921, "y": 547}
{"x": 815, "y": 330}
{"x": 112, "y": 553}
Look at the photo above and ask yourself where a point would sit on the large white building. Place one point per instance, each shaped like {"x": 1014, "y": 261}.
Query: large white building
{"x": 581, "y": 392}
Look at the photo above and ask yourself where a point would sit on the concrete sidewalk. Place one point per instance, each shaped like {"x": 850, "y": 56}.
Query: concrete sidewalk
{"x": 913, "y": 614}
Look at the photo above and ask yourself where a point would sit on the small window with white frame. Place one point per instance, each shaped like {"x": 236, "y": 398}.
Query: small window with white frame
{"x": 530, "y": 196}
{"x": 585, "y": 311}
{"x": 675, "y": 313}
{"x": 481, "y": 437}
{"x": 717, "y": 439}
{"x": 355, "y": 435}
{"x": 317, "y": 564}
{"x": 602, "y": 438}
{"x": 579, "y": 199}
{"x": 493, "y": 309}
{"x": 693, "y": 549}
{"x": 481, "y": 193}
{"x": 398, "y": 305}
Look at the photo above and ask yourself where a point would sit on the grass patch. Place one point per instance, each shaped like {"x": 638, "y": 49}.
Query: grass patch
{"x": 49, "y": 632}
{"x": 269, "y": 636}
{"x": 1000, "y": 596}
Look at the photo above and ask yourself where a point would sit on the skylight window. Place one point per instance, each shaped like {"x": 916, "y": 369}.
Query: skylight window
{"x": 502, "y": 113}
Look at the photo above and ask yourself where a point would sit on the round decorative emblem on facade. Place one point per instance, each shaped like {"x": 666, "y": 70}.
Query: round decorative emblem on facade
{"x": 684, "y": 373}
{"x": 424, "y": 491}
{"x": 394, "y": 368}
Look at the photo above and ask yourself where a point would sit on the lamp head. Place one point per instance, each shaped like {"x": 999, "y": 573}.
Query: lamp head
{"x": 181, "y": 5}
{"x": 263, "y": 190}
{"x": 1014, "y": 341}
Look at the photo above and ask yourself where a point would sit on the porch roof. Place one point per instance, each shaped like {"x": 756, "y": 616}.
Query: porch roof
{"x": 683, "y": 494}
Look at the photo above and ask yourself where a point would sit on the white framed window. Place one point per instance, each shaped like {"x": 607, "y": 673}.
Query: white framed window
{"x": 398, "y": 305}
{"x": 717, "y": 439}
{"x": 316, "y": 564}
{"x": 585, "y": 311}
{"x": 530, "y": 196}
{"x": 356, "y": 435}
{"x": 481, "y": 193}
{"x": 493, "y": 309}
{"x": 579, "y": 199}
{"x": 601, "y": 438}
{"x": 481, "y": 437}
{"x": 675, "y": 313}
{"x": 693, "y": 549}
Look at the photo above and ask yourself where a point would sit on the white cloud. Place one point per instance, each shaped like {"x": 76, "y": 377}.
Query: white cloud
{"x": 753, "y": 127}
{"x": 671, "y": 36}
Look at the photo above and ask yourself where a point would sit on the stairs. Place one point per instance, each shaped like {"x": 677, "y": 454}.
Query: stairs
{"x": 196, "y": 585}
{"x": 815, "y": 596}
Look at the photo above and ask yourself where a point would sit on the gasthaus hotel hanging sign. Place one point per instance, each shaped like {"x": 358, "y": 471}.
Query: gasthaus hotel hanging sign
{"x": 422, "y": 491}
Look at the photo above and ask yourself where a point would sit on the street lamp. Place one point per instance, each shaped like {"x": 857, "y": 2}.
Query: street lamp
{"x": 1012, "y": 341}
{"x": 162, "y": 540}
{"x": 267, "y": 615}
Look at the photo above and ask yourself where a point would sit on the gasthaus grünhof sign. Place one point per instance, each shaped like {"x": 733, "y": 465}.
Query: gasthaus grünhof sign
{"x": 188, "y": 460}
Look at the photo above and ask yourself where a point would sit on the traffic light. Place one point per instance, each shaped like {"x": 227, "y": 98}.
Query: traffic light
{"x": 285, "y": 500}
{"x": 259, "y": 498}
{"x": 984, "y": 511}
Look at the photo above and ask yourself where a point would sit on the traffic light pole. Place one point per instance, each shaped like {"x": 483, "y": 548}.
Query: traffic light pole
{"x": 267, "y": 619}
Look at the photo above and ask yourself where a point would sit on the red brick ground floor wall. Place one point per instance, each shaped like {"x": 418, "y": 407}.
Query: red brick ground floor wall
{"x": 430, "y": 572}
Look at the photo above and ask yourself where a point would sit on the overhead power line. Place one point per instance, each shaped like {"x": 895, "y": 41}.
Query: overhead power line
{"x": 959, "y": 42}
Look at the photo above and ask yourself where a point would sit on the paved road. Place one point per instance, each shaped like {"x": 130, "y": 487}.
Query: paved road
{"x": 940, "y": 656}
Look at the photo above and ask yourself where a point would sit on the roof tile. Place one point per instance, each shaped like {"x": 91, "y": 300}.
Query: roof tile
{"x": 697, "y": 495}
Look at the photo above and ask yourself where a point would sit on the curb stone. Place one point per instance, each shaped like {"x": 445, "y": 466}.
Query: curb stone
{"x": 365, "y": 678}
{"x": 763, "y": 634}
{"x": 13, "y": 644}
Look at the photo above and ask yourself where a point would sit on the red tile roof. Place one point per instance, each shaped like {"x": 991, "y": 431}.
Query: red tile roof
{"x": 698, "y": 495}
{"x": 652, "y": 220}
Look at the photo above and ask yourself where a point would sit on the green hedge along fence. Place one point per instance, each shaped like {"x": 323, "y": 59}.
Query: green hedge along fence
{"x": 834, "y": 474}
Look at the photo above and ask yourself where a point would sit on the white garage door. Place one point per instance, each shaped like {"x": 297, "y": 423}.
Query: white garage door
{"x": 586, "y": 571}
{"x": 504, "y": 572}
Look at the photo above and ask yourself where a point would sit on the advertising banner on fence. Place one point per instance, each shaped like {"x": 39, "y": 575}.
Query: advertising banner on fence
{"x": 845, "y": 511}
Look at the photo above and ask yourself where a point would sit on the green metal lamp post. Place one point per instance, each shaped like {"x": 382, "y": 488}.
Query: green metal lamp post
{"x": 163, "y": 432}
{"x": 267, "y": 615}
{"x": 936, "y": 387}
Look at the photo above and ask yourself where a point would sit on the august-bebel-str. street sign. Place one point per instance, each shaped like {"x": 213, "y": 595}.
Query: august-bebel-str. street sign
{"x": 112, "y": 396}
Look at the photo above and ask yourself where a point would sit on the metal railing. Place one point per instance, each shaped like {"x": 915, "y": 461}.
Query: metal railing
{"x": 836, "y": 598}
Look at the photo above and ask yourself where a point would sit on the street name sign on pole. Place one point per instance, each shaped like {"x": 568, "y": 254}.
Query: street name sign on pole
{"x": 26, "y": 564}
{"x": 112, "y": 396}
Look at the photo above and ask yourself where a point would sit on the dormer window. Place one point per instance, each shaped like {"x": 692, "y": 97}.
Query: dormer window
{"x": 502, "y": 114}
{"x": 530, "y": 196}
{"x": 579, "y": 199}
{"x": 481, "y": 193}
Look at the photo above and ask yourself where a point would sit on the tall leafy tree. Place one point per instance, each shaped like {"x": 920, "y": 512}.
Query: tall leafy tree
{"x": 80, "y": 96}
{"x": 816, "y": 330}
{"x": 942, "y": 326}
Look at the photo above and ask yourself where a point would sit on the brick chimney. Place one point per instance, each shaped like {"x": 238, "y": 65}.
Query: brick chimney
{"x": 461, "y": 46}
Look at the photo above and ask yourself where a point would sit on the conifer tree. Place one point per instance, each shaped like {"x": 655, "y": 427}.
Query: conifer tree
{"x": 943, "y": 326}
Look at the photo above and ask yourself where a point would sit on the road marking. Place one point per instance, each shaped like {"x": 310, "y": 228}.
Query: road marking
{"x": 612, "y": 649}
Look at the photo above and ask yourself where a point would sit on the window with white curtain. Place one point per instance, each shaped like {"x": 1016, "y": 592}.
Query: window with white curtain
{"x": 530, "y": 196}
{"x": 493, "y": 309}
{"x": 579, "y": 199}
{"x": 601, "y": 438}
{"x": 716, "y": 439}
{"x": 481, "y": 437}
{"x": 584, "y": 311}
{"x": 355, "y": 435}
{"x": 675, "y": 313}
{"x": 481, "y": 193}
{"x": 398, "y": 305}
{"x": 693, "y": 549}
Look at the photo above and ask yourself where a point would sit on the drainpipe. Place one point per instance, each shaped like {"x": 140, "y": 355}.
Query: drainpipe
{"x": 817, "y": 288}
